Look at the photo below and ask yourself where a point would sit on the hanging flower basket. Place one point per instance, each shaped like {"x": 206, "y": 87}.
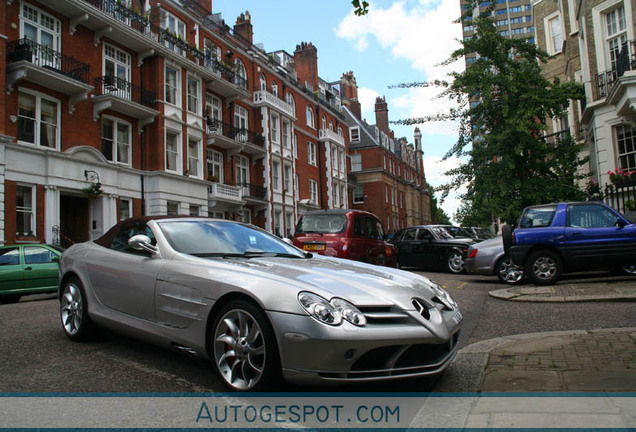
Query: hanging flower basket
{"x": 94, "y": 190}
{"x": 622, "y": 177}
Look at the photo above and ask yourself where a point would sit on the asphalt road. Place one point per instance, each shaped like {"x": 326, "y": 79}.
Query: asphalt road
{"x": 37, "y": 357}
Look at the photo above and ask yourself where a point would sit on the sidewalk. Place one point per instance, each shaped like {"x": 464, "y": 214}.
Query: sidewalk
{"x": 602, "y": 360}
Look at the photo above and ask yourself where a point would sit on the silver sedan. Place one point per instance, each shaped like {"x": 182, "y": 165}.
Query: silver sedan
{"x": 488, "y": 258}
{"x": 257, "y": 307}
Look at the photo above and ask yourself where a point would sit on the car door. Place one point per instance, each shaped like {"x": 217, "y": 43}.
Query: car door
{"x": 10, "y": 269}
{"x": 594, "y": 239}
{"x": 40, "y": 269}
{"x": 124, "y": 279}
{"x": 405, "y": 242}
{"x": 374, "y": 242}
{"x": 424, "y": 249}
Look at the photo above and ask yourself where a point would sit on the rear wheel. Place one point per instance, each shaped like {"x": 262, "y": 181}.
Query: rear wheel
{"x": 543, "y": 267}
{"x": 74, "y": 312}
{"x": 244, "y": 347}
{"x": 507, "y": 272}
{"x": 455, "y": 262}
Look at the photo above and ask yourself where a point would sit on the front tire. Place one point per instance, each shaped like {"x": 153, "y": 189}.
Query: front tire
{"x": 455, "y": 262}
{"x": 543, "y": 267}
{"x": 507, "y": 272}
{"x": 244, "y": 348}
{"x": 74, "y": 311}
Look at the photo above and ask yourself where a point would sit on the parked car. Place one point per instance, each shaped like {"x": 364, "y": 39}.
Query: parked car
{"x": 489, "y": 258}
{"x": 480, "y": 233}
{"x": 28, "y": 269}
{"x": 254, "y": 305}
{"x": 442, "y": 246}
{"x": 554, "y": 239}
{"x": 352, "y": 234}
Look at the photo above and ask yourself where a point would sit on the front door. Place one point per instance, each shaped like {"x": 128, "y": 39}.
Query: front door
{"x": 74, "y": 216}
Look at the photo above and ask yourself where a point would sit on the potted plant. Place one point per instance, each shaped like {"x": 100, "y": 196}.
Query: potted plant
{"x": 94, "y": 190}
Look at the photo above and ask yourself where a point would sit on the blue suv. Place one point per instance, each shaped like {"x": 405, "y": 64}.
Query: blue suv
{"x": 553, "y": 239}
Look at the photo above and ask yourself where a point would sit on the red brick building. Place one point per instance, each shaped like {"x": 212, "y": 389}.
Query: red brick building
{"x": 121, "y": 108}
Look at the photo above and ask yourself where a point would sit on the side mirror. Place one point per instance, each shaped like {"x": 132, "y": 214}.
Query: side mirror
{"x": 620, "y": 223}
{"x": 288, "y": 241}
{"x": 141, "y": 242}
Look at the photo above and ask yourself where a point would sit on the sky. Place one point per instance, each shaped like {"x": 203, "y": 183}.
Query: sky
{"x": 397, "y": 42}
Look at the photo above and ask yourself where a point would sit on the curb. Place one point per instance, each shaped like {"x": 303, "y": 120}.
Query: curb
{"x": 541, "y": 295}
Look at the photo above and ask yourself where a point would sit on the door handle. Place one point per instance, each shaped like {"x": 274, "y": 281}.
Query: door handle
{"x": 28, "y": 268}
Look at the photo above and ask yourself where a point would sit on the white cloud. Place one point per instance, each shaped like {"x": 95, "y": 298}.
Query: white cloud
{"x": 434, "y": 169}
{"x": 366, "y": 97}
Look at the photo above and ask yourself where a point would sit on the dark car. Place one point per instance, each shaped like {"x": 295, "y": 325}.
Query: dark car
{"x": 442, "y": 246}
{"x": 28, "y": 269}
{"x": 553, "y": 239}
{"x": 479, "y": 233}
{"x": 342, "y": 233}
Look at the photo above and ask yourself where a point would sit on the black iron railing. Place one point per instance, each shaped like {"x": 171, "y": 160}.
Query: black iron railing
{"x": 255, "y": 191}
{"x": 620, "y": 196}
{"x": 111, "y": 85}
{"x": 238, "y": 134}
{"x": 626, "y": 61}
{"x": 44, "y": 56}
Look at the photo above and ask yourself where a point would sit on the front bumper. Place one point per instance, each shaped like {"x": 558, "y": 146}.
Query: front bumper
{"x": 314, "y": 353}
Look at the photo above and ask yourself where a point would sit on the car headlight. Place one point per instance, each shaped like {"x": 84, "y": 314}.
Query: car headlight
{"x": 331, "y": 312}
{"x": 444, "y": 296}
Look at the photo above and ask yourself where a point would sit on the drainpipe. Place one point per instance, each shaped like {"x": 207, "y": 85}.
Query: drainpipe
{"x": 143, "y": 150}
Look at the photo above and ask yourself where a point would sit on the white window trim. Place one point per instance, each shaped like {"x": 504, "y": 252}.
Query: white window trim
{"x": 311, "y": 153}
{"x": 199, "y": 156}
{"x": 34, "y": 217}
{"x": 197, "y": 96}
{"x": 177, "y": 90}
{"x": 38, "y": 119}
{"x": 313, "y": 191}
{"x": 598, "y": 26}
{"x": 179, "y": 161}
{"x": 116, "y": 121}
{"x": 553, "y": 50}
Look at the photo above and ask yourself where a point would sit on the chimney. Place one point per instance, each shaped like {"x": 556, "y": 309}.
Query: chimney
{"x": 350, "y": 94}
{"x": 382, "y": 115}
{"x": 306, "y": 64}
{"x": 243, "y": 27}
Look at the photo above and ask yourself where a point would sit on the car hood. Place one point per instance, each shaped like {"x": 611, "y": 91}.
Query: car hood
{"x": 362, "y": 284}
{"x": 490, "y": 243}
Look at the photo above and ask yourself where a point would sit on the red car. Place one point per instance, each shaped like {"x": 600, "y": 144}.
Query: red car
{"x": 352, "y": 234}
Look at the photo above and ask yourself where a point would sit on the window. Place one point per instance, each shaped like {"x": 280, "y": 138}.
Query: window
{"x": 324, "y": 122}
{"x": 194, "y": 210}
{"x": 172, "y": 151}
{"x": 289, "y": 224}
{"x": 41, "y": 28}
{"x": 116, "y": 140}
{"x": 354, "y": 134}
{"x": 172, "y": 86}
{"x": 124, "y": 208}
{"x": 38, "y": 255}
{"x": 275, "y": 118}
{"x": 274, "y": 88}
{"x": 240, "y": 75}
{"x": 286, "y": 134}
{"x": 311, "y": 149}
{"x": 625, "y": 137}
{"x": 194, "y": 156}
{"x": 278, "y": 223}
{"x": 276, "y": 175}
{"x": 313, "y": 191}
{"x": 240, "y": 122}
{"x": 553, "y": 33}
{"x": 262, "y": 82}
{"x": 356, "y": 162}
{"x": 214, "y": 113}
{"x": 358, "y": 194}
{"x": 242, "y": 170}
{"x": 287, "y": 178}
{"x": 334, "y": 159}
{"x": 117, "y": 72}
{"x": 310, "y": 118}
{"x": 335, "y": 194}
{"x": 616, "y": 35}
{"x": 38, "y": 120}
{"x": 290, "y": 101}
{"x": 193, "y": 95}
{"x": 245, "y": 216}
{"x": 590, "y": 216}
{"x": 215, "y": 166}
{"x": 176, "y": 27}
{"x": 172, "y": 208}
{"x": 25, "y": 213}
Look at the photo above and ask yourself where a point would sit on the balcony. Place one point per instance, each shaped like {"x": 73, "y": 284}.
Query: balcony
{"x": 234, "y": 139}
{"x": 40, "y": 64}
{"x": 224, "y": 197}
{"x": 264, "y": 98}
{"x": 618, "y": 85}
{"x": 225, "y": 81}
{"x": 123, "y": 97}
{"x": 329, "y": 135}
{"x": 254, "y": 195}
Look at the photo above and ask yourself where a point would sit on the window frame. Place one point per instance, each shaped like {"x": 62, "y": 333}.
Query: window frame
{"x": 30, "y": 212}
{"x": 37, "y": 119}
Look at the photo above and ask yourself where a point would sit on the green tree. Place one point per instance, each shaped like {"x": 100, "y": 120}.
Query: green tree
{"x": 360, "y": 7}
{"x": 438, "y": 215}
{"x": 509, "y": 164}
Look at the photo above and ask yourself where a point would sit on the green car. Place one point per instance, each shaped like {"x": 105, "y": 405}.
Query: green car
{"x": 28, "y": 269}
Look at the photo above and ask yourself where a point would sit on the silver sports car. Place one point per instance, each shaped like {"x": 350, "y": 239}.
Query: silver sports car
{"x": 258, "y": 307}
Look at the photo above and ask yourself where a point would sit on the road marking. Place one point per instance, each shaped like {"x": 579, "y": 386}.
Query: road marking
{"x": 462, "y": 285}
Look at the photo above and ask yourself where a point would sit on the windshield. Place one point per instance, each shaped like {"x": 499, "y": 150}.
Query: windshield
{"x": 224, "y": 238}
{"x": 451, "y": 232}
{"x": 322, "y": 224}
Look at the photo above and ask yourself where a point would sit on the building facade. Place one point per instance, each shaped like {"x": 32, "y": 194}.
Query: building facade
{"x": 126, "y": 108}
{"x": 389, "y": 173}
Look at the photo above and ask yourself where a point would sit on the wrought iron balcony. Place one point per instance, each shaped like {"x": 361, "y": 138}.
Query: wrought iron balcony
{"x": 252, "y": 192}
{"x": 626, "y": 61}
{"x": 234, "y": 138}
{"x": 118, "y": 87}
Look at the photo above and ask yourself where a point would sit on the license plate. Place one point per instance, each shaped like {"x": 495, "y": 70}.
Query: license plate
{"x": 457, "y": 317}
{"x": 314, "y": 247}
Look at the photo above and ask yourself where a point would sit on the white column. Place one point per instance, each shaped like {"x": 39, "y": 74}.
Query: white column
{"x": 51, "y": 211}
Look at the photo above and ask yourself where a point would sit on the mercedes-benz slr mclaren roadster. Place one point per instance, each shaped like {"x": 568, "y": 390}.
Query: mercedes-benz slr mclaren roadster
{"x": 258, "y": 307}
